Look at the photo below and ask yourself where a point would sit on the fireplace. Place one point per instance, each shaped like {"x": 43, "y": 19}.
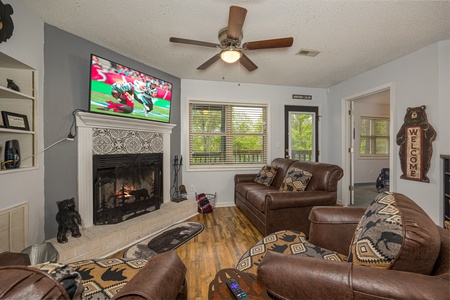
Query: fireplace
{"x": 126, "y": 186}
{"x": 108, "y": 135}
{"x": 90, "y": 125}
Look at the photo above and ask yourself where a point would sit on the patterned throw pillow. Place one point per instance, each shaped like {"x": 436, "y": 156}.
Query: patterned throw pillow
{"x": 266, "y": 175}
{"x": 378, "y": 238}
{"x": 296, "y": 180}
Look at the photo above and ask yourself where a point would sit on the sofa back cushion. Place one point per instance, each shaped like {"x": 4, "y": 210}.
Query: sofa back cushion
{"x": 283, "y": 165}
{"x": 324, "y": 176}
{"x": 395, "y": 233}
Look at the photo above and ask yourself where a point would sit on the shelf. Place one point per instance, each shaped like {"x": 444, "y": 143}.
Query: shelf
{"x": 17, "y": 170}
{"x": 15, "y": 131}
{"x": 8, "y": 93}
{"x": 21, "y": 103}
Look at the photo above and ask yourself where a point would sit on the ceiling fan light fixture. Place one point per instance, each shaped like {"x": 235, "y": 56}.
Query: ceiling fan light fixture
{"x": 230, "y": 55}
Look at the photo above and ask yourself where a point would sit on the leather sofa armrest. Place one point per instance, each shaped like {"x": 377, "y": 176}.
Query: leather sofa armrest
{"x": 13, "y": 258}
{"x": 238, "y": 178}
{"x": 23, "y": 282}
{"x": 333, "y": 227}
{"x": 163, "y": 277}
{"x": 301, "y": 277}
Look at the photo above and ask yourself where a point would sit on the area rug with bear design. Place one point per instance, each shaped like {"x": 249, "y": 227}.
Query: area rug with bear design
{"x": 103, "y": 278}
{"x": 170, "y": 239}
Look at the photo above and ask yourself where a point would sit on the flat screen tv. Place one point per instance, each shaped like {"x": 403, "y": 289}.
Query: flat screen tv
{"x": 121, "y": 91}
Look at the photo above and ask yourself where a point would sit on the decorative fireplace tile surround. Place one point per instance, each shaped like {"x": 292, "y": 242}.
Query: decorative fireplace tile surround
{"x": 102, "y": 134}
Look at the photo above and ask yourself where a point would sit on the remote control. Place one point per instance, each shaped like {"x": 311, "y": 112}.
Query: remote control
{"x": 236, "y": 290}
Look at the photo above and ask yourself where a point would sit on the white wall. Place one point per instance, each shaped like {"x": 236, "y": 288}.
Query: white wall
{"x": 276, "y": 97}
{"x": 368, "y": 168}
{"x": 419, "y": 78}
{"x": 27, "y": 45}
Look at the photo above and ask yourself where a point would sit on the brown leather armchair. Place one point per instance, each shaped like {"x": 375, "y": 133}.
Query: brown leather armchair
{"x": 421, "y": 270}
{"x": 163, "y": 277}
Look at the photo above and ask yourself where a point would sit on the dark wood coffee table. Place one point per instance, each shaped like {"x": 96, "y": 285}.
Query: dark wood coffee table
{"x": 249, "y": 283}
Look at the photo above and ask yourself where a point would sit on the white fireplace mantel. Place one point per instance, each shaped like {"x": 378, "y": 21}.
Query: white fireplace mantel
{"x": 85, "y": 123}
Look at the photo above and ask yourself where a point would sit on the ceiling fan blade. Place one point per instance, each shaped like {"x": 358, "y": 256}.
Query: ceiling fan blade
{"x": 209, "y": 62}
{"x": 247, "y": 63}
{"x": 236, "y": 20}
{"x": 267, "y": 44}
{"x": 193, "y": 42}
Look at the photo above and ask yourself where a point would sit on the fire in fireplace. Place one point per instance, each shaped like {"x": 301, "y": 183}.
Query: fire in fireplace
{"x": 126, "y": 186}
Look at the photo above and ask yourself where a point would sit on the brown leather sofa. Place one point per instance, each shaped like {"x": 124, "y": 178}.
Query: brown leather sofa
{"x": 421, "y": 270}
{"x": 271, "y": 210}
{"x": 163, "y": 277}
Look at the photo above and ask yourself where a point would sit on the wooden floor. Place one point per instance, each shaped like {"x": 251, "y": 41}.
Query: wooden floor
{"x": 227, "y": 235}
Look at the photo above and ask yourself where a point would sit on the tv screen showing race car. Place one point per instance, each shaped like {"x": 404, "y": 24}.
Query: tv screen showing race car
{"x": 121, "y": 91}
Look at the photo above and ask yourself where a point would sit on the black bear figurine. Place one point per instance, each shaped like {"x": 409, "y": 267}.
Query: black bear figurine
{"x": 68, "y": 219}
{"x": 12, "y": 85}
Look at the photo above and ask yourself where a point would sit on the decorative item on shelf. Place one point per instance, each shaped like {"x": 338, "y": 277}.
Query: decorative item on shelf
{"x": 15, "y": 121}
{"x": 178, "y": 191}
{"x": 415, "y": 139}
{"x": 68, "y": 220}
{"x": 6, "y": 22}
{"x": 11, "y": 85}
{"x": 12, "y": 154}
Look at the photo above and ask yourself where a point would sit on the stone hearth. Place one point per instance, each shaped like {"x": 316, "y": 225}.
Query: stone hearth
{"x": 103, "y": 240}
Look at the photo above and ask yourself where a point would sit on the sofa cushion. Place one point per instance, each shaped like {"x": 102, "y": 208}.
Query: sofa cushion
{"x": 266, "y": 175}
{"x": 285, "y": 241}
{"x": 244, "y": 187}
{"x": 295, "y": 180}
{"x": 257, "y": 198}
{"x": 395, "y": 233}
{"x": 283, "y": 165}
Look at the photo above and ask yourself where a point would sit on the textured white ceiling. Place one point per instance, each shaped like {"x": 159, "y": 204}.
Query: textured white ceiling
{"x": 353, "y": 36}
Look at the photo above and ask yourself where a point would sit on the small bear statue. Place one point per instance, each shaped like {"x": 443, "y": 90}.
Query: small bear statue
{"x": 68, "y": 219}
{"x": 12, "y": 85}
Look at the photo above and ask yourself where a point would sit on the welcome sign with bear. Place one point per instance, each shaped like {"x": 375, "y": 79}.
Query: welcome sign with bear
{"x": 415, "y": 139}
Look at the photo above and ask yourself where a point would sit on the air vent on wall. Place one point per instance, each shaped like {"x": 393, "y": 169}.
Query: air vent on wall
{"x": 308, "y": 52}
{"x": 14, "y": 228}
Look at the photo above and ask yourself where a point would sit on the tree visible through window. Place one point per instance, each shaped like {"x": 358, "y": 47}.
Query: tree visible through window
{"x": 227, "y": 134}
{"x": 374, "y": 136}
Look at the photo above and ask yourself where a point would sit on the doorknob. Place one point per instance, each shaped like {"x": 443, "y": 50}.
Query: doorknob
{"x": 287, "y": 154}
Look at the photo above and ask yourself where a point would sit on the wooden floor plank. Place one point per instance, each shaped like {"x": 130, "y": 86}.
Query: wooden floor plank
{"x": 227, "y": 234}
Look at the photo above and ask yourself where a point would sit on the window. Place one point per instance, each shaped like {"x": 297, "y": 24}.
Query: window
{"x": 227, "y": 134}
{"x": 374, "y": 136}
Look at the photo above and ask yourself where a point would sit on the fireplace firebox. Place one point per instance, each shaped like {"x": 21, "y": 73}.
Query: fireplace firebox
{"x": 126, "y": 186}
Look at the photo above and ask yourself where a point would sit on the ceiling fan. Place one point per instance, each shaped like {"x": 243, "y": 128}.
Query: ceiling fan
{"x": 230, "y": 42}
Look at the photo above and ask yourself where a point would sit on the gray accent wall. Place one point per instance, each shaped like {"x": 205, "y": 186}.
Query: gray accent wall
{"x": 66, "y": 85}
